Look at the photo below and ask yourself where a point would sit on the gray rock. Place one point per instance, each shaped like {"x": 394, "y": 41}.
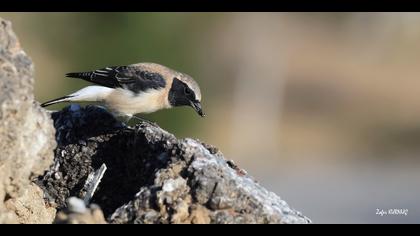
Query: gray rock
{"x": 26, "y": 136}
{"x": 78, "y": 213}
{"x": 76, "y": 205}
{"x": 152, "y": 176}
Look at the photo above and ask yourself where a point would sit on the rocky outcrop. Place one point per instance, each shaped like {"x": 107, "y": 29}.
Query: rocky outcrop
{"x": 26, "y": 136}
{"x": 152, "y": 176}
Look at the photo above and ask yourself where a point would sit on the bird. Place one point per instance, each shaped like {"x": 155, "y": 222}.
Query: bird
{"x": 136, "y": 88}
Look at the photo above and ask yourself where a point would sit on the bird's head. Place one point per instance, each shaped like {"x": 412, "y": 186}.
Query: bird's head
{"x": 185, "y": 91}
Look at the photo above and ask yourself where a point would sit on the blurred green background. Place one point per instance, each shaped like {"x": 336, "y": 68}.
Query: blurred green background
{"x": 321, "y": 108}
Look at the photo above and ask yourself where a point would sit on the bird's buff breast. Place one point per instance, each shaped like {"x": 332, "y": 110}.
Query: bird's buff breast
{"x": 127, "y": 102}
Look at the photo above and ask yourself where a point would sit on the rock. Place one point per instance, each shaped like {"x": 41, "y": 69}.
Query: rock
{"x": 26, "y": 136}
{"x": 76, "y": 205}
{"x": 31, "y": 208}
{"x": 77, "y": 213}
{"x": 152, "y": 176}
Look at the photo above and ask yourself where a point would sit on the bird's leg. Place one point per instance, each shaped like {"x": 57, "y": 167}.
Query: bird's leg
{"x": 145, "y": 120}
{"x": 123, "y": 119}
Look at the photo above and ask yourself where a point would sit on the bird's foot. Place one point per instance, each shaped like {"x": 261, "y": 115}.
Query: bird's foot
{"x": 146, "y": 121}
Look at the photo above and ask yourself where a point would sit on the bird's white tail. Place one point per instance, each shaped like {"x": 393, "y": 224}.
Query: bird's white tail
{"x": 54, "y": 101}
{"x": 88, "y": 94}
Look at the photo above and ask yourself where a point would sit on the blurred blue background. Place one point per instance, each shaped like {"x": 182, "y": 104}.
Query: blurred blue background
{"x": 321, "y": 108}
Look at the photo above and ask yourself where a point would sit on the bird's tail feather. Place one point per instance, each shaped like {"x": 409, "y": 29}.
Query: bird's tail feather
{"x": 57, "y": 100}
{"x": 79, "y": 75}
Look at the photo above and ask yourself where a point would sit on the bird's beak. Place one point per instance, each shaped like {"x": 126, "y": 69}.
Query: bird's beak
{"x": 197, "y": 108}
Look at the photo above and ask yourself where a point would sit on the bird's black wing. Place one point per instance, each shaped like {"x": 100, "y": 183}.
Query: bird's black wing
{"x": 132, "y": 78}
{"x": 137, "y": 79}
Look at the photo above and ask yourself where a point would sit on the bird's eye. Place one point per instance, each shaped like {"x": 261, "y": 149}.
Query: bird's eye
{"x": 187, "y": 91}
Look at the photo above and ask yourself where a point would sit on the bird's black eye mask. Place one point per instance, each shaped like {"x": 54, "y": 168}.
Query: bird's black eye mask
{"x": 180, "y": 94}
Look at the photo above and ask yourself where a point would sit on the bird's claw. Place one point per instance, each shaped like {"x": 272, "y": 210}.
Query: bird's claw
{"x": 151, "y": 123}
